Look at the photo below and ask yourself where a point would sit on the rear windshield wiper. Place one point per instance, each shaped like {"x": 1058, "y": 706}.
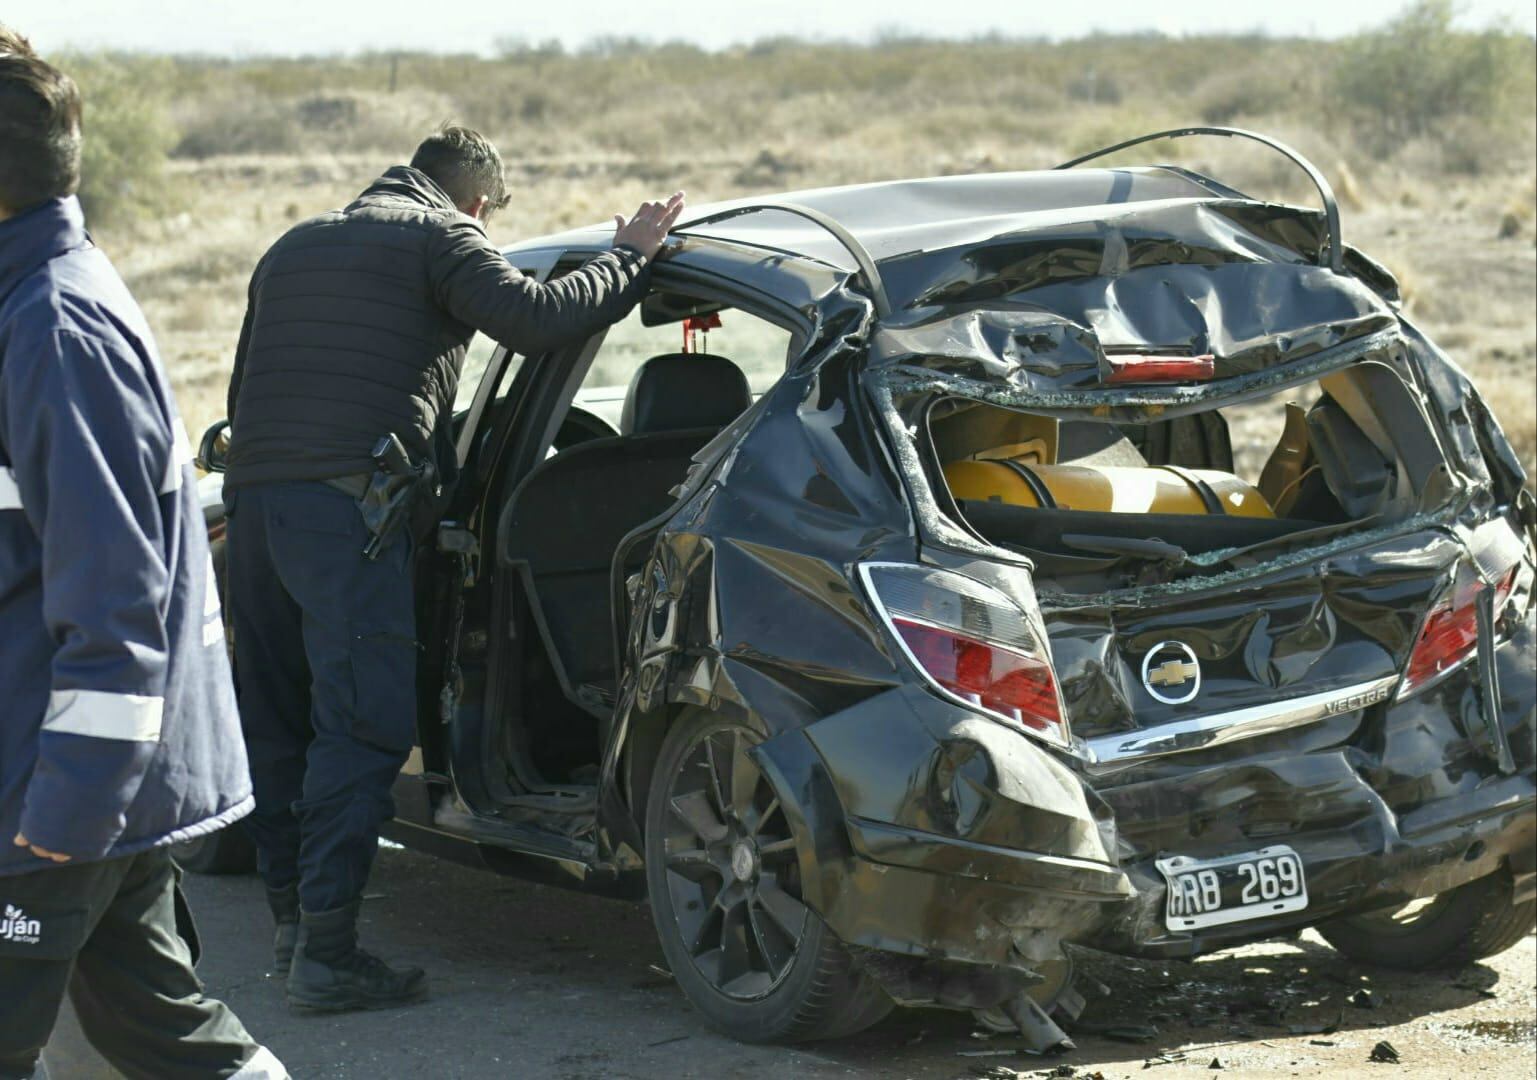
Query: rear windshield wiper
{"x": 1126, "y": 546}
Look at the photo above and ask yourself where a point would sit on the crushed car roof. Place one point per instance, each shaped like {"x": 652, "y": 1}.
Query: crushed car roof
{"x": 956, "y": 240}
{"x": 1029, "y": 281}
{"x": 895, "y": 217}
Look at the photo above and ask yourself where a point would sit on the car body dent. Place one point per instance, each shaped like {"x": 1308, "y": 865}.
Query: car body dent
{"x": 1410, "y": 810}
{"x": 743, "y": 605}
{"x": 929, "y": 832}
{"x": 905, "y": 793}
{"x": 936, "y": 882}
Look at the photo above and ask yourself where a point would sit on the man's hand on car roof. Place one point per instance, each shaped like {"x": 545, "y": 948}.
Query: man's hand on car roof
{"x": 648, "y": 228}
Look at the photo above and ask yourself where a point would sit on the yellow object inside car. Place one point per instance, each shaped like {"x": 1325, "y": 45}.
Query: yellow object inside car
{"x": 999, "y": 455}
{"x": 1107, "y": 488}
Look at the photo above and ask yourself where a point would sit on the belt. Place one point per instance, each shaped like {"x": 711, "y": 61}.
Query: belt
{"x": 355, "y": 485}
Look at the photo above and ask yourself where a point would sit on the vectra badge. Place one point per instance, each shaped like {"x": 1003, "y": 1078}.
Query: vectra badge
{"x": 1171, "y": 672}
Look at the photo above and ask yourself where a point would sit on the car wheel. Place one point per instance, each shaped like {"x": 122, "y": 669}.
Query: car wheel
{"x": 1455, "y": 928}
{"x": 228, "y": 851}
{"x": 724, "y": 881}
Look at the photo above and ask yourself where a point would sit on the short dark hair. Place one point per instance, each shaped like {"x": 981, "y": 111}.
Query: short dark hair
{"x": 464, "y": 164}
{"x": 39, "y": 127}
{"x": 12, "y": 41}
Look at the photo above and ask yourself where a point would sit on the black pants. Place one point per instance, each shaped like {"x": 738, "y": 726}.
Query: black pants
{"x": 108, "y": 932}
{"x": 325, "y": 661}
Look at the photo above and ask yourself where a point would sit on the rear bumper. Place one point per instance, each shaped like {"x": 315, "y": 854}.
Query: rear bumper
{"x": 1360, "y": 866}
{"x": 934, "y": 834}
{"x": 1396, "y": 801}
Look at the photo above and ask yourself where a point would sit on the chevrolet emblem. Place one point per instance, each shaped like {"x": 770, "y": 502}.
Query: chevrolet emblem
{"x": 1173, "y": 666}
{"x": 1172, "y": 673}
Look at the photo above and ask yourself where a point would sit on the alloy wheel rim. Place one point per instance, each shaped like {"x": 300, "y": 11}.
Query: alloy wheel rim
{"x": 730, "y": 866}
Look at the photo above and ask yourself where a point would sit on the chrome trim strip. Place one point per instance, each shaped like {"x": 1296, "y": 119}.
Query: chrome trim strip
{"x": 1202, "y": 732}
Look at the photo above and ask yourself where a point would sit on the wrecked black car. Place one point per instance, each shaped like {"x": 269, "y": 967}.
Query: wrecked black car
{"x": 932, "y": 575}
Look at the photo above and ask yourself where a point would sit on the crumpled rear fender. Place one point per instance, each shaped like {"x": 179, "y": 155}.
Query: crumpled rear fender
{"x": 926, "y": 830}
{"x": 745, "y": 605}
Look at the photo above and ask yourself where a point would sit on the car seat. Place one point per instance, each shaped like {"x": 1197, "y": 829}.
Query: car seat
{"x": 563, "y": 523}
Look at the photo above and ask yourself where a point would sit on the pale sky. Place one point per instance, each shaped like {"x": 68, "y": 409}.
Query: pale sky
{"x": 287, "y": 27}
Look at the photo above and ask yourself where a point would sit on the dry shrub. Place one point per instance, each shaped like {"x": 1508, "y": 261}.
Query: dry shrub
{"x": 771, "y": 168}
{"x": 238, "y": 124}
{"x": 1506, "y": 383}
{"x": 200, "y": 405}
{"x": 1479, "y": 150}
{"x": 905, "y": 104}
{"x": 1347, "y": 189}
{"x": 1265, "y": 86}
{"x": 215, "y": 263}
{"x": 320, "y": 123}
{"x": 1420, "y": 78}
{"x": 1519, "y": 212}
{"x": 127, "y": 134}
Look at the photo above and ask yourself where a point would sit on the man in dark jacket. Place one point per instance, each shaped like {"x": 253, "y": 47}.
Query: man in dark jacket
{"x": 356, "y": 328}
{"x": 118, "y": 734}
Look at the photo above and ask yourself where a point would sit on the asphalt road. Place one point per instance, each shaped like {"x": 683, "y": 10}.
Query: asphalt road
{"x": 535, "y": 982}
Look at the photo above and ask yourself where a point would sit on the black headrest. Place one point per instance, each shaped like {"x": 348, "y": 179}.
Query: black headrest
{"x": 681, "y": 391}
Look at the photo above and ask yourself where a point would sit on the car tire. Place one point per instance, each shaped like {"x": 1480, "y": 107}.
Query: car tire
{"x": 758, "y": 964}
{"x": 1468, "y": 923}
{"x": 228, "y": 851}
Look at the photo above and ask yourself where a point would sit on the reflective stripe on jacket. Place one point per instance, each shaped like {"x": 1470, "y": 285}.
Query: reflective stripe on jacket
{"x": 118, "y": 729}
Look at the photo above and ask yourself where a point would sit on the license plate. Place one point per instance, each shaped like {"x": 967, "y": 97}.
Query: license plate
{"x": 1253, "y": 885}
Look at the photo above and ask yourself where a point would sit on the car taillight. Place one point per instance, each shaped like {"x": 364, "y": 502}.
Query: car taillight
{"x": 1449, "y": 637}
{"x": 1142, "y": 368}
{"x": 972, "y": 643}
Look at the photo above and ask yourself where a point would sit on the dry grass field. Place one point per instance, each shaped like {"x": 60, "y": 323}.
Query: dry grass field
{"x": 1427, "y": 134}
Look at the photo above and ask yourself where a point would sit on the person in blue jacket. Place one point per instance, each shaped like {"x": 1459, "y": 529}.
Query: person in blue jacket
{"x": 118, "y": 730}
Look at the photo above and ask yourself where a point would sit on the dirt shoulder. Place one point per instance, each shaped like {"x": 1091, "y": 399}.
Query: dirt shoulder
{"x": 535, "y": 982}
{"x": 1278, "y": 1008}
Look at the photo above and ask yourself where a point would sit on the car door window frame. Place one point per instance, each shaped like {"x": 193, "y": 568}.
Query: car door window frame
{"x": 533, "y": 392}
{"x": 703, "y": 285}
{"x": 546, "y": 386}
{"x": 533, "y": 264}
